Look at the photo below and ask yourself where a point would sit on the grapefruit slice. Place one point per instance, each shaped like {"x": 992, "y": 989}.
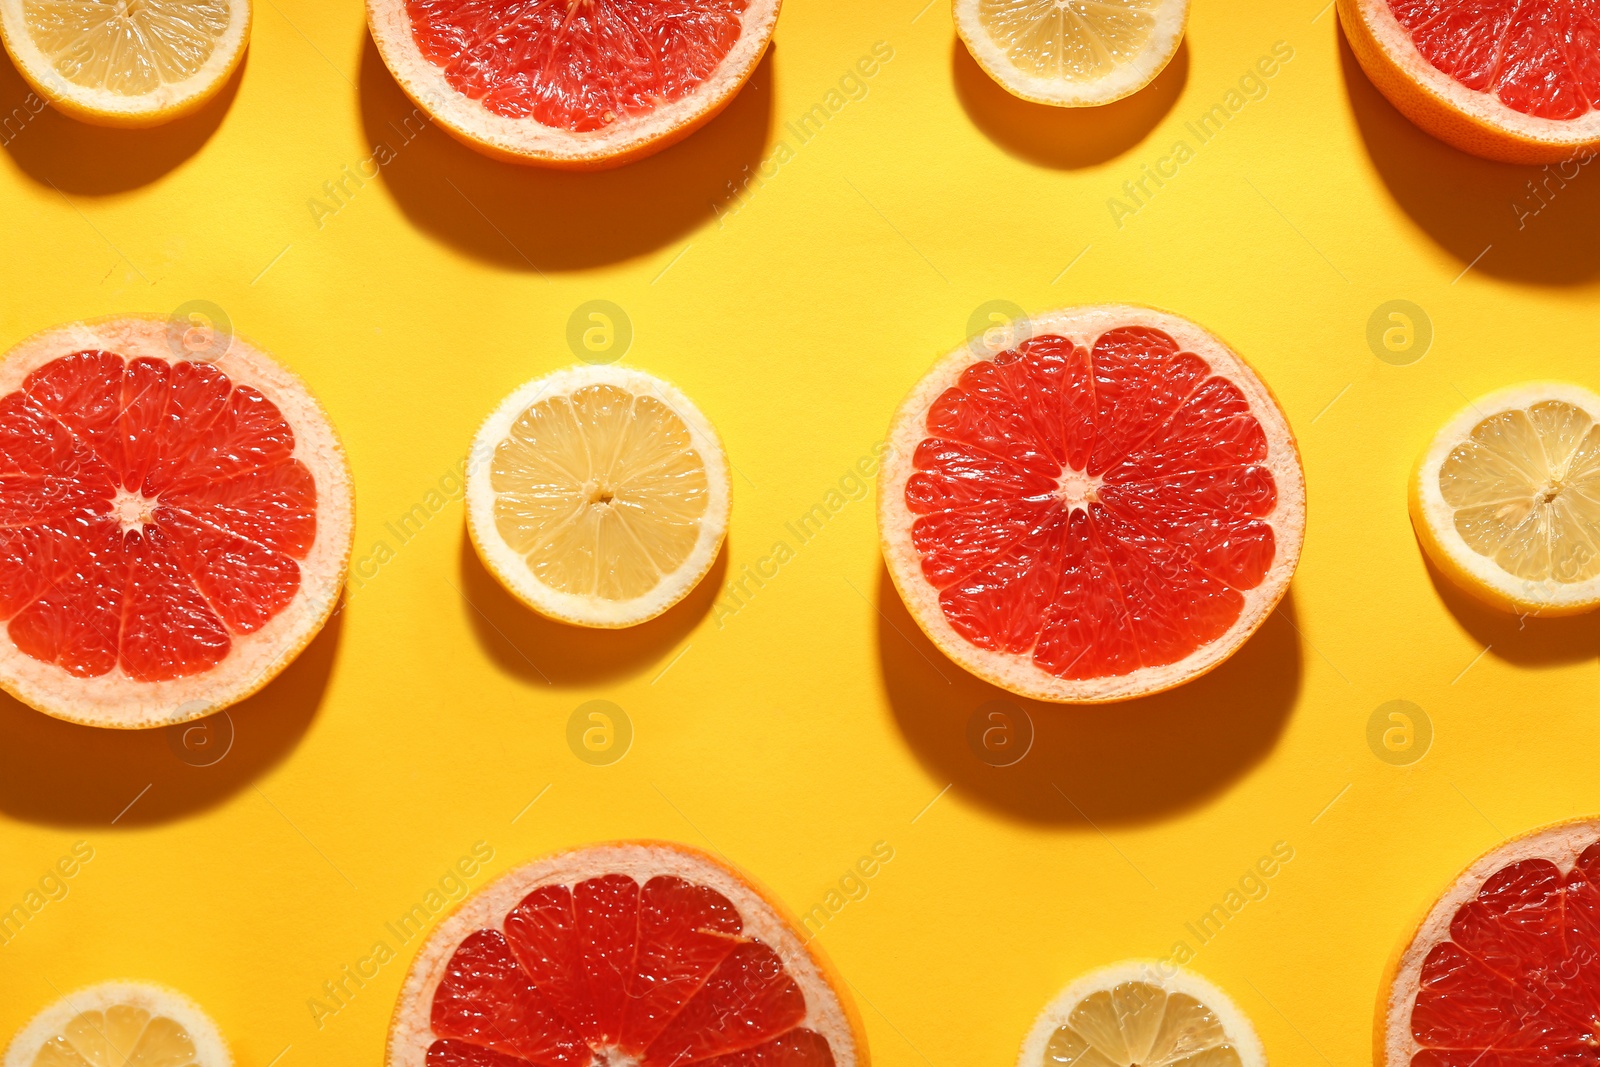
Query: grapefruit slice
{"x": 584, "y": 84}
{"x": 1072, "y": 53}
{"x": 126, "y": 62}
{"x": 1503, "y": 969}
{"x": 1503, "y": 79}
{"x": 598, "y": 495}
{"x": 120, "y": 1024}
{"x": 1141, "y": 1013}
{"x": 640, "y": 953}
{"x": 1506, "y": 499}
{"x": 174, "y": 530}
{"x": 1105, "y": 511}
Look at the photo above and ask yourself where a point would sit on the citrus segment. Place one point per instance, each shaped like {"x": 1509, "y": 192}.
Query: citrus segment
{"x": 1504, "y": 79}
{"x": 119, "y": 1025}
{"x": 576, "y": 67}
{"x": 171, "y": 531}
{"x": 1501, "y": 970}
{"x": 1142, "y": 1014}
{"x": 598, "y": 495}
{"x": 571, "y": 84}
{"x": 1072, "y": 52}
{"x": 1506, "y": 499}
{"x": 1091, "y": 513}
{"x": 126, "y": 62}
{"x": 646, "y": 954}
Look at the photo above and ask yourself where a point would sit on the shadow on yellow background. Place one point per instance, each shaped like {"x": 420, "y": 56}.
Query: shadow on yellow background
{"x": 1524, "y": 640}
{"x": 526, "y": 218}
{"x": 1468, "y": 204}
{"x": 1064, "y": 137}
{"x": 58, "y": 773}
{"x": 1137, "y": 761}
{"x": 529, "y": 646}
{"x": 86, "y": 160}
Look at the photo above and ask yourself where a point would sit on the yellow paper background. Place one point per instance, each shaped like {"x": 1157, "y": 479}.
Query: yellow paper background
{"x": 815, "y": 721}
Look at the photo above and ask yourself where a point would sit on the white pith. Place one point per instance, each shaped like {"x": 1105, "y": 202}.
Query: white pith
{"x": 1560, "y": 844}
{"x": 1017, "y": 672}
{"x": 827, "y": 1009}
{"x": 210, "y": 1049}
{"x": 530, "y": 141}
{"x": 1430, "y": 507}
{"x": 1170, "y": 17}
{"x": 512, "y": 569}
{"x": 118, "y": 700}
{"x": 1164, "y": 976}
{"x": 167, "y": 101}
{"x": 1398, "y": 46}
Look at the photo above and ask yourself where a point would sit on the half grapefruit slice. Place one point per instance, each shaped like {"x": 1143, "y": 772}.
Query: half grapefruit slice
{"x": 1141, "y": 1013}
{"x": 642, "y": 953}
{"x": 175, "y": 530}
{"x": 1107, "y": 510}
{"x": 1505, "y": 967}
{"x": 1502, "y": 79}
{"x": 584, "y": 84}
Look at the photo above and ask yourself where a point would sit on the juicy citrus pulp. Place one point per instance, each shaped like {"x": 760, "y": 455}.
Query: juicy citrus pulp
{"x": 153, "y": 510}
{"x": 127, "y": 46}
{"x": 1072, "y": 51}
{"x": 576, "y": 66}
{"x": 171, "y": 530}
{"x": 119, "y": 1025}
{"x": 130, "y": 62}
{"x": 1141, "y": 1014}
{"x": 1093, "y": 505}
{"x": 1507, "y": 497}
{"x": 604, "y": 488}
{"x": 668, "y": 960}
{"x": 1539, "y": 59}
{"x": 1502, "y": 969}
{"x": 571, "y": 83}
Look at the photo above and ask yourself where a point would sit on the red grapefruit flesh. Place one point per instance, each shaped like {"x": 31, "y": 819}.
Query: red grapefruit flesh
{"x": 587, "y": 83}
{"x": 1106, "y": 510}
{"x": 159, "y": 517}
{"x": 576, "y": 67}
{"x": 1537, "y": 58}
{"x": 1505, "y": 970}
{"x": 1506, "y": 79}
{"x": 645, "y": 954}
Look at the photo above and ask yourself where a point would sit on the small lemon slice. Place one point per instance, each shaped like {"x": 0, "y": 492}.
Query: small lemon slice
{"x": 1506, "y": 499}
{"x": 598, "y": 495}
{"x": 120, "y": 1024}
{"x": 1142, "y": 1013}
{"x": 1072, "y": 53}
{"x": 126, "y": 62}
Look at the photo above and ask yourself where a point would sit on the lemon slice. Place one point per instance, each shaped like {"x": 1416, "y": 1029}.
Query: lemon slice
{"x": 1142, "y": 1013}
{"x": 1506, "y": 499}
{"x": 598, "y": 495}
{"x": 119, "y": 1024}
{"x": 126, "y": 62}
{"x": 1072, "y": 53}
